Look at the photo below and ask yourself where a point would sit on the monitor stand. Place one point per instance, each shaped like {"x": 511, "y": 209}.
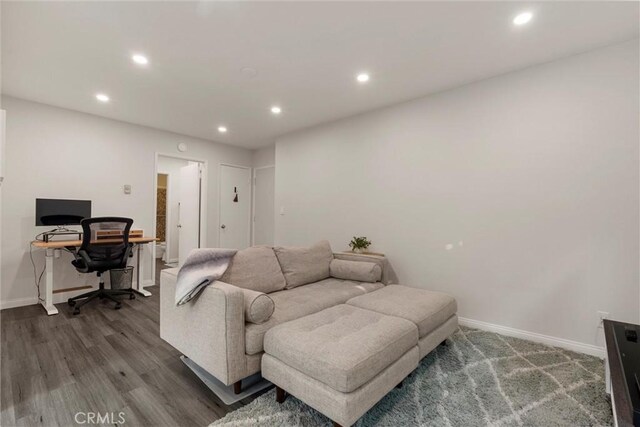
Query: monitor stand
{"x": 60, "y": 231}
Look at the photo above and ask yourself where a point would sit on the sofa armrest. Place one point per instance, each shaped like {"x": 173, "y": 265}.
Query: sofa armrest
{"x": 388, "y": 274}
{"x": 208, "y": 329}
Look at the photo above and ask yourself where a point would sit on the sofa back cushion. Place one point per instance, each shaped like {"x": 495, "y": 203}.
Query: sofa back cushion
{"x": 359, "y": 271}
{"x": 255, "y": 268}
{"x": 301, "y": 266}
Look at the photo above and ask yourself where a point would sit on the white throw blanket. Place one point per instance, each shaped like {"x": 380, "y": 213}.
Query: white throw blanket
{"x": 201, "y": 267}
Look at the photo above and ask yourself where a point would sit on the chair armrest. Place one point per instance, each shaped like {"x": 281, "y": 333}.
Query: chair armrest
{"x": 208, "y": 329}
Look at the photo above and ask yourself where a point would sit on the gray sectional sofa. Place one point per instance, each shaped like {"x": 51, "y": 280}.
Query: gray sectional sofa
{"x": 302, "y": 305}
{"x": 213, "y": 330}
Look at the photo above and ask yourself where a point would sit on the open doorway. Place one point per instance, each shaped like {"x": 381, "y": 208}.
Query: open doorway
{"x": 162, "y": 188}
{"x": 180, "y": 209}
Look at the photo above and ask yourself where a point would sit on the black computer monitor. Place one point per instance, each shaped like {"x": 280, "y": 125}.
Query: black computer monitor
{"x": 61, "y": 212}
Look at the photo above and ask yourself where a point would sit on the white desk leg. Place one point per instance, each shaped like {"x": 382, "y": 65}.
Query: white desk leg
{"x": 140, "y": 275}
{"x": 48, "y": 292}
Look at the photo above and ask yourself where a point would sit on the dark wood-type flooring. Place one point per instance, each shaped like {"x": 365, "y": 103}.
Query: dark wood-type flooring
{"x": 101, "y": 361}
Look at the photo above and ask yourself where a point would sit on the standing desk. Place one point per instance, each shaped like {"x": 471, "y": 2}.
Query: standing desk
{"x": 52, "y": 246}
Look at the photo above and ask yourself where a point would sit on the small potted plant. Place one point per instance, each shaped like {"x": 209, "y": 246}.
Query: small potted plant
{"x": 359, "y": 244}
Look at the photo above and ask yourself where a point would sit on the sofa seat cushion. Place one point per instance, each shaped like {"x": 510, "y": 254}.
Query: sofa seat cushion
{"x": 255, "y": 268}
{"x": 343, "y": 347}
{"x": 292, "y": 304}
{"x": 303, "y": 265}
{"x": 427, "y": 309}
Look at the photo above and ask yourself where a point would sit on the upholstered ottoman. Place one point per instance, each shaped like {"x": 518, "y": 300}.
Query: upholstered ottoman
{"x": 434, "y": 313}
{"x": 340, "y": 361}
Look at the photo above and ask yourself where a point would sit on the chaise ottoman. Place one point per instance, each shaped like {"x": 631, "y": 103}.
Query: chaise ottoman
{"x": 434, "y": 313}
{"x": 344, "y": 359}
{"x": 340, "y": 361}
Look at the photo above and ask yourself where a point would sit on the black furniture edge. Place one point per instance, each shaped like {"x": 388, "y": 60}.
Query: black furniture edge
{"x": 619, "y": 391}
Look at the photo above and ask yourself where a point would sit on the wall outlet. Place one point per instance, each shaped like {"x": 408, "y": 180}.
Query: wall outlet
{"x": 601, "y": 316}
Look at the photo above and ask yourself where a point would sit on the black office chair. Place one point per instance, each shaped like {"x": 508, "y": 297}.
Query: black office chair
{"x": 102, "y": 254}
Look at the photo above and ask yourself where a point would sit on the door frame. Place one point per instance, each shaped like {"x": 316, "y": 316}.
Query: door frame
{"x": 220, "y": 197}
{"x": 254, "y": 174}
{"x": 203, "y": 200}
{"x": 167, "y": 217}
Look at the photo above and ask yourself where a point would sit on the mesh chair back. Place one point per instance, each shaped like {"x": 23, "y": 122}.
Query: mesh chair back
{"x": 106, "y": 238}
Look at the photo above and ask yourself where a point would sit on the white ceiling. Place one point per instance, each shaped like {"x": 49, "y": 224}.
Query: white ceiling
{"x": 306, "y": 56}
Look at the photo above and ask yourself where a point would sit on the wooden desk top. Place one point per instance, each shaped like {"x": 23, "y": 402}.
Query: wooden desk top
{"x": 57, "y": 244}
{"x": 377, "y": 254}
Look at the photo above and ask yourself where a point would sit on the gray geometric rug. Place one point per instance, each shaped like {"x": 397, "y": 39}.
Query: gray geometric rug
{"x": 479, "y": 379}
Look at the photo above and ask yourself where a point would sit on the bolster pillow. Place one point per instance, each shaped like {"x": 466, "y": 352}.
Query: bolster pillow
{"x": 258, "y": 307}
{"x": 360, "y": 271}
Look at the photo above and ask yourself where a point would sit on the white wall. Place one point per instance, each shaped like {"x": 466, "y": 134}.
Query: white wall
{"x": 264, "y": 195}
{"x": 264, "y": 156}
{"x": 57, "y": 153}
{"x": 535, "y": 172}
{"x": 171, "y": 166}
{"x": 263, "y": 205}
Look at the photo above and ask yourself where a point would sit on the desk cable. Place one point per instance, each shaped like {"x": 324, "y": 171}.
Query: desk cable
{"x": 37, "y": 278}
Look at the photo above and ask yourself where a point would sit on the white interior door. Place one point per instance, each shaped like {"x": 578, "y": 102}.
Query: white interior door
{"x": 189, "y": 210}
{"x": 235, "y": 207}
{"x": 263, "y": 211}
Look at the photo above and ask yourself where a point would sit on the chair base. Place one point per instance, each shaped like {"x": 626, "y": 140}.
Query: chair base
{"x": 101, "y": 293}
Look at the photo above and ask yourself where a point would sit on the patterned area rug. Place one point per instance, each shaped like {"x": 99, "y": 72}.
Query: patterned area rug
{"x": 478, "y": 379}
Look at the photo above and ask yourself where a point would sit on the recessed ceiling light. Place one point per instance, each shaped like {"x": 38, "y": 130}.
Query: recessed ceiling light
{"x": 222, "y": 129}
{"x": 140, "y": 59}
{"x": 276, "y": 110}
{"x": 102, "y": 97}
{"x": 363, "y": 77}
{"x": 523, "y": 18}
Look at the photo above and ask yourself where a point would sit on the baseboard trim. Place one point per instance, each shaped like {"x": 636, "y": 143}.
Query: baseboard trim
{"x": 485, "y": 326}
{"x": 20, "y": 302}
{"x": 578, "y": 347}
{"x": 58, "y": 297}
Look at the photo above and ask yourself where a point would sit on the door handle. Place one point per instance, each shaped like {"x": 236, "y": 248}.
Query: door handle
{"x": 179, "y": 226}
{"x": 223, "y": 226}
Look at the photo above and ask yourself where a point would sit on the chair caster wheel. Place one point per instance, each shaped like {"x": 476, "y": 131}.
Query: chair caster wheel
{"x": 132, "y": 296}
{"x": 71, "y": 303}
{"x": 76, "y": 311}
{"x": 118, "y": 306}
